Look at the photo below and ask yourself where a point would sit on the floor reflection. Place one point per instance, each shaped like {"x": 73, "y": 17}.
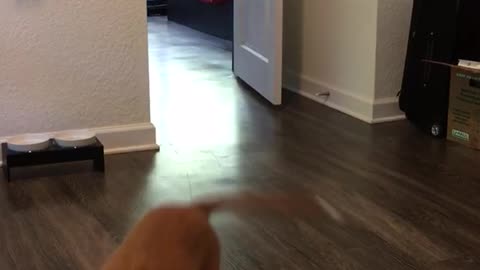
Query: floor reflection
{"x": 194, "y": 95}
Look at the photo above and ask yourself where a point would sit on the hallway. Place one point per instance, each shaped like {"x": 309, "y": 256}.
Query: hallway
{"x": 408, "y": 202}
{"x": 193, "y": 90}
{"x": 396, "y": 183}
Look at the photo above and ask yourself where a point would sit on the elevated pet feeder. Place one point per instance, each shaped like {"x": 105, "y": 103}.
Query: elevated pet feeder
{"x": 35, "y": 149}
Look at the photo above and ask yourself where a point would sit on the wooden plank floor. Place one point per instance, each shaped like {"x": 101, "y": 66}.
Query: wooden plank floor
{"x": 409, "y": 202}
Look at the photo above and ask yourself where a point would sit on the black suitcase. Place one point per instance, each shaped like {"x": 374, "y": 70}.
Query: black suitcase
{"x": 425, "y": 86}
{"x": 468, "y": 31}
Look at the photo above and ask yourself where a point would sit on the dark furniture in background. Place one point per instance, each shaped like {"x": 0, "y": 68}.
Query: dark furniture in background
{"x": 216, "y": 20}
{"x": 443, "y": 31}
{"x": 155, "y": 7}
{"x": 53, "y": 154}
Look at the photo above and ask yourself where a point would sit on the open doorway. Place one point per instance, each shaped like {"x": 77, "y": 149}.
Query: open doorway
{"x": 193, "y": 88}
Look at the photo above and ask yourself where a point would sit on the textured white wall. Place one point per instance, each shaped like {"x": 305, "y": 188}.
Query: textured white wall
{"x": 333, "y": 42}
{"x": 393, "y": 28}
{"x": 72, "y": 64}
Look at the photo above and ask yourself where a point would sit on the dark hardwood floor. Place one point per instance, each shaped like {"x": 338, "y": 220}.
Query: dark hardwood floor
{"x": 409, "y": 201}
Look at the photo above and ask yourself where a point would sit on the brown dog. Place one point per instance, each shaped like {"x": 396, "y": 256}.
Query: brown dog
{"x": 181, "y": 237}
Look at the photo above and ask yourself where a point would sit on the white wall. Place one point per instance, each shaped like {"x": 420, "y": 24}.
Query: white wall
{"x": 341, "y": 47}
{"x": 73, "y": 64}
{"x": 393, "y": 28}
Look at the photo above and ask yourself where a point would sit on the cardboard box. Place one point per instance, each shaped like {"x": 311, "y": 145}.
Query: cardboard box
{"x": 464, "y": 109}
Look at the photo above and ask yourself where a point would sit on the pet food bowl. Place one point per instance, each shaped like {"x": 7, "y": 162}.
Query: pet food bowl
{"x": 29, "y": 143}
{"x": 75, "y": 138}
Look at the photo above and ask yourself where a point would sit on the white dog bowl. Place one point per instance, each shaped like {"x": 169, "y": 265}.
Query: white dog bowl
{"x": 28, "y": 142}
{"x": 75, "y": 138}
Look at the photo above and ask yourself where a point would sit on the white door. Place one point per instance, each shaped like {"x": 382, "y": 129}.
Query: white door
{"x": 258, "y": 37}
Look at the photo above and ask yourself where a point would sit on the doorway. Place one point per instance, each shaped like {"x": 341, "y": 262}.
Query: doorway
{"x": 193, "y": 88}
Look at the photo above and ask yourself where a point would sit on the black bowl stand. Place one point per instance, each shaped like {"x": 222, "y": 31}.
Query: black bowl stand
{"x": 53, "y": 154}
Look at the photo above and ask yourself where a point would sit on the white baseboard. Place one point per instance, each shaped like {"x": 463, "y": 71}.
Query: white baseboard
{"x": 130, "y": 149}
{"x": 127, "y": 138}
{"x": 380, "y": 111}
{"x": 121, "y": 139}
{"x": 387, "y": 110}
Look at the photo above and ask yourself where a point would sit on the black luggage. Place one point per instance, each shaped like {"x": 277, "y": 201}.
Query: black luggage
{"x": 443, "y": 31}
